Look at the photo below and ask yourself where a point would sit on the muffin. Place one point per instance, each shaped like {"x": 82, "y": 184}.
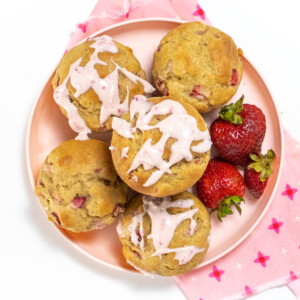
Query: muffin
{"x": 161, "y": 147}
{"x": 198, "y": 63}
{"x": 167, "y": 236}
{"x": 95, "y": 80}
{"x": 79, "y": 188}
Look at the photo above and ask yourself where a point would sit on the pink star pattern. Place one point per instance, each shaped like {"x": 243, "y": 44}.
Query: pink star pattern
{"x": 261, "y": 259}
{"x": 216, "y": 273}
{"x": 248, "y": 291}
{"x": 289, "y": 191}
{"x": 199, "y": 12}
{"x": 293, "y": 276}
{"x": 82, "y": 26}
{"x": 275, "y": 225}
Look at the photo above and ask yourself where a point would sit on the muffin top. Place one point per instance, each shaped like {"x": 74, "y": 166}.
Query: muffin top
{"x": 78, "y": 186}
{"x": 198, "y": 63}
{"x": 168, "y": 236}
{"x": 161, "y": 147}
{"x": 95, "y": 80}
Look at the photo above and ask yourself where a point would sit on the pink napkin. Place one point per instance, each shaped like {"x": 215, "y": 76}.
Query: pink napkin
{"x": 106, "y": 13}
{"x": 271, "y": 255}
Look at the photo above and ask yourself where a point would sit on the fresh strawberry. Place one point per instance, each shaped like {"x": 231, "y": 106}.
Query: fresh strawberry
{"x": 239, "y": 131}
{"x": 221, "y": 186}
{"x": 234, "y": 77}
{"x": 257, "y": 173}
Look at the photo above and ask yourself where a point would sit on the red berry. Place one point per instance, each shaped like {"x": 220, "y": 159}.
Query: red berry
{"x": 77, "y": 202}
{"x": 54, "y": 214}
{"x": 257, "y": 173}
{"x": 137, "y": 231}
{"x": 165, "y": 91}
{"x": 162, "y": 87}
{"x": 234, "y": 77}
{"x": 239, "y": 131}
{"x": 221, "y": 186}
{"x": 198, "y": 92}
{"x": 158, "y": 82}
{"x": 136, "y": 253}
{"x": 253, "y": 183}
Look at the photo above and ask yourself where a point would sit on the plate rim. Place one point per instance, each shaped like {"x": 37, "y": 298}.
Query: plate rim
{"x": 249, "y": 231}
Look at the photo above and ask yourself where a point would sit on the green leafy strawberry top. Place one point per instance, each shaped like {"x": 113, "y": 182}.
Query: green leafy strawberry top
{"x": 231, "y": 112}
{"x": 224, "y": 206}
{"x": 263, "y": 164}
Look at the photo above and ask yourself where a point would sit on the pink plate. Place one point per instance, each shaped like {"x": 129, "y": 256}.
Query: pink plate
{"x": 47, "y": 128}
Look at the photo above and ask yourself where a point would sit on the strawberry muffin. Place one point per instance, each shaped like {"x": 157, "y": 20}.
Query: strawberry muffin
{"x": 96, "y": 80}
{"x": 79, "y": 188}
{"x": 199, "y": 64}
{"x": 161, "y": 147}
{"x": 166, "y": 236}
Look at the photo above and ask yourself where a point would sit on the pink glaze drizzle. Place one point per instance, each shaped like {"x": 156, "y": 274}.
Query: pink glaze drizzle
{"x": 86, "y": 77}
{"x": 179, "y": 125}
{"x": 163, "y": 226}
{"x": 124, "y": 128}
{"x": 120, "y": 230}
{"x": 137, "y": 240}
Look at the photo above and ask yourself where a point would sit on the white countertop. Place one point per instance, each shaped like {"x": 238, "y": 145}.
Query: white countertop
{"x": 35, "y": 262}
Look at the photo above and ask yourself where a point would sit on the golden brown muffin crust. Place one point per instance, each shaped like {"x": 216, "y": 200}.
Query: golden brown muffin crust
{"x": 198, "y": 63}
{"x": 80, "y": 170}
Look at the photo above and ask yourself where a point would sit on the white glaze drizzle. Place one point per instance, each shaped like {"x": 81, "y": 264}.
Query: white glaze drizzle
{"x": 178, "y": 124}
{"x": 112, "y": 148}
{"x": 137, "y": 240}
{"x": 61, "y": 97}
{"x": 124, "y": 128}
{"x": 83, "y": 78}
{"x": 124, "y": 152}
{"x": 163, "y": 226}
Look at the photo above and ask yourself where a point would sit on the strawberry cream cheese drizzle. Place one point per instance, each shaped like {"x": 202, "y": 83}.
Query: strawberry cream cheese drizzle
{"x": 179, "y": 125}
{"x": 163, "y": 226}
{"x": 85, "y": 77}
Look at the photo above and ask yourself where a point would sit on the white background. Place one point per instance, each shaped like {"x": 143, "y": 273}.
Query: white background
{"x": 35, "y": 262}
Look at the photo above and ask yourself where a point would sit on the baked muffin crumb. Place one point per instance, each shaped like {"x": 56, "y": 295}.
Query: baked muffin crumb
{"x": 198, "y": 63}
{"x": 79, "y": 188}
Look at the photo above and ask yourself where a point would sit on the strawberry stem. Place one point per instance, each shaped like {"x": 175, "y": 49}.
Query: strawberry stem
{"x": 224, "y": 206}
{"x": 263, "y": 164}
{"x": 231, "y": 112}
